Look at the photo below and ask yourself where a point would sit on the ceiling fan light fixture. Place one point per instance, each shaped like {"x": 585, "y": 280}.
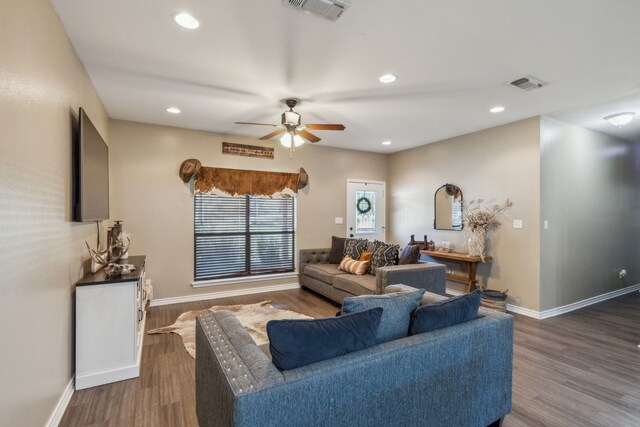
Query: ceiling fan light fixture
{"x": 620, "y": 119}
{"x": 290, "y": 118}
{"x": 187, "y": 21}
{"x": 286, "y": 139}
{"x": 387, "y": 78}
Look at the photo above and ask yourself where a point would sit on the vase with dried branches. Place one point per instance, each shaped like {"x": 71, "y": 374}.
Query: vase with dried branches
{"x": 479, "y": 220}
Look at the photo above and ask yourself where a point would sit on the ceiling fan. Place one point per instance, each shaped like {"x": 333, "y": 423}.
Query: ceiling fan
{"x": 294, "y": 132}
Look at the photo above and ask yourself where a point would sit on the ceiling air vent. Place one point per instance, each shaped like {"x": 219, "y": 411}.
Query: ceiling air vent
{"x": 528, "y": 83}
{"x": 328, "y": 9}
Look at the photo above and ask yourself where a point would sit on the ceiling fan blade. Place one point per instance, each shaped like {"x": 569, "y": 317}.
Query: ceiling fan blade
{"x": 325, "y": 127}
{"x": 258, "y": 124}
{"x": 272, "y": 134}
{"x": 308, "y": 136}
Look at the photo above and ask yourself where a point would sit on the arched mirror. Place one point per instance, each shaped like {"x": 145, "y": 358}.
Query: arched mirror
{"x": 448, "y": 208}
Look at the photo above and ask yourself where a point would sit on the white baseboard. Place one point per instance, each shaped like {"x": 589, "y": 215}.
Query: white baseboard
{"x": 105, "y": 377}
{"x": 61, "y": 406}
{"x": 524, "y": 311}
{"x": 545, "y": 314}
{"x": 224, "y": 294}
{"x": 565, "y": 308}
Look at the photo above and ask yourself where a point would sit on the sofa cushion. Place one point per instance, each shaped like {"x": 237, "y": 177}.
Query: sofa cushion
{"x": 295, "y": 343}
{"x": 323, "y": 272}
{"x": 352, "y": 266}
{"x": 410, "y": 255}
{"x": 355, "y": 247}
{"x": 394, "y": 323}
{"x": 337, "y": 250}
{"x": 384, "y": 254}
{"x": 355, "y": 285}
{"x": 438, "y": 315}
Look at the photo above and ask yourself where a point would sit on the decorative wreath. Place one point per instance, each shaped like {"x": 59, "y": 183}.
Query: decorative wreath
{"x": 363, "y": 205}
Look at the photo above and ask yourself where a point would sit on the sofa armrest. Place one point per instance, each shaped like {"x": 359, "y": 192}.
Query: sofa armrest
{"x": 313, "y": 256}
{"x": 429, "y": 276}
{"x": 228, "y": 364}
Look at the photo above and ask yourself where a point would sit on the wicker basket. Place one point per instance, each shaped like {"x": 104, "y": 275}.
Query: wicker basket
{"x": 495, "y": 300}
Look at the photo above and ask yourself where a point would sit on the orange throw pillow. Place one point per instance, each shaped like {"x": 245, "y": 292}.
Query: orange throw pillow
{"x": 352, "y": 266}
{"x": 365, "y": 256}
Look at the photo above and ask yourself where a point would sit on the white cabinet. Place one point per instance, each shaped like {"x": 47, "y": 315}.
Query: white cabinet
{"x": 110, "y": 320}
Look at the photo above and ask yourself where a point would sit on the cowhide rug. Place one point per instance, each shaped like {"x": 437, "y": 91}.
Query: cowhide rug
{"x": 254, "y": 318}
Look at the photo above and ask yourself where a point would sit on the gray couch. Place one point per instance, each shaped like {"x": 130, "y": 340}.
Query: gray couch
{"x": 457, "y": 376}
{"x": 326, "y": 279}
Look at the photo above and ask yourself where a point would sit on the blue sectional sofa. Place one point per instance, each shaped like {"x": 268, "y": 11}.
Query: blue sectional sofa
{"x": 457, "y": 376}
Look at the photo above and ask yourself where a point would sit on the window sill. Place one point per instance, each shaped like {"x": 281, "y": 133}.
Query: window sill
{"x": 246, "y": 279}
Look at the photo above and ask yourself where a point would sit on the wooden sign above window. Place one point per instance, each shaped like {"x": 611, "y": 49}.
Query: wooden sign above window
{"x": 238, "y": 182}
{"x": 247, "y": 150}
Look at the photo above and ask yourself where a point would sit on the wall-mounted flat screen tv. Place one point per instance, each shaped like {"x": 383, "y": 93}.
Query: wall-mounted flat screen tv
{"x": 91, "y": 176}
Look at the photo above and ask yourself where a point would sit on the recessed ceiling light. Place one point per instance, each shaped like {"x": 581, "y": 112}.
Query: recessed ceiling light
{"x": 173, "y": 110}
{"x": 620, "y": 119}
{"x": 386, "y": 143}
{"x": 187, "y": 21}
{"x": 497, "y": 109}
{"x": 387, "y": 78}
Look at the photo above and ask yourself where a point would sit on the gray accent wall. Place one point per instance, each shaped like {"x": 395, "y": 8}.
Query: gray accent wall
{"x": 590, "y": 198}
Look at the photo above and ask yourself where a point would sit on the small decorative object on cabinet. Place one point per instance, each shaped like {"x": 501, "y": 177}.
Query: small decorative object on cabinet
{"x": 110, "y": 320}
{"x": 117, "y": 248}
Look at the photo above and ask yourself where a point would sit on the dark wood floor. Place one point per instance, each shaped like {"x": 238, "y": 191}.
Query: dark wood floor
{"x": 579, "y": 369}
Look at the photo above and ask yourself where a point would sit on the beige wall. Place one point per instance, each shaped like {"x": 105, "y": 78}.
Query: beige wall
{"x": 42, "y": 83}
{"x": 493, "y": 164}
{"x": 157, "y": 207}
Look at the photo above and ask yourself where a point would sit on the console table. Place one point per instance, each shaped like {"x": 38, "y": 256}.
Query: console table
{"x": 468, "y": 262}
{"x": 110, "y": 320}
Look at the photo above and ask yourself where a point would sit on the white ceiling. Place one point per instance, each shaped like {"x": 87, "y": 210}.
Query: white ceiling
{"x": 452, "y": 58}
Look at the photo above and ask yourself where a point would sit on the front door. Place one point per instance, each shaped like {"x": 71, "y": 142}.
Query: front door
{"x": 366, "y": 209}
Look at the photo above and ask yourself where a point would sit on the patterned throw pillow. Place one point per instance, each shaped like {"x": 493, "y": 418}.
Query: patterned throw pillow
{"x": 352, "y": 266}
{"x": 384, "y": 254}
{"x": 354, "y": 247}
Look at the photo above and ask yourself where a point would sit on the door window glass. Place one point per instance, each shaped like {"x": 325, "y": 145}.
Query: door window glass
{"x": 365, "y": 212}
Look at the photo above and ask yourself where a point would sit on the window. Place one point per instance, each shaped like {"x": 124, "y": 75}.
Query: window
{"x": 242, "y": 236}
{"x": 365, "y": 212}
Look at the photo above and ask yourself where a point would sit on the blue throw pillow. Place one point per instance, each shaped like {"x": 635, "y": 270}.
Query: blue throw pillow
{"x": 445, "y": 313}
{"x": 396, "y": 316}
{"x": 295, "y": 343}
{"x": 410, "y": 255}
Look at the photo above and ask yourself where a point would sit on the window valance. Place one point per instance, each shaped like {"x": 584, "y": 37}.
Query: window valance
{"x": 239, "y": 182}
